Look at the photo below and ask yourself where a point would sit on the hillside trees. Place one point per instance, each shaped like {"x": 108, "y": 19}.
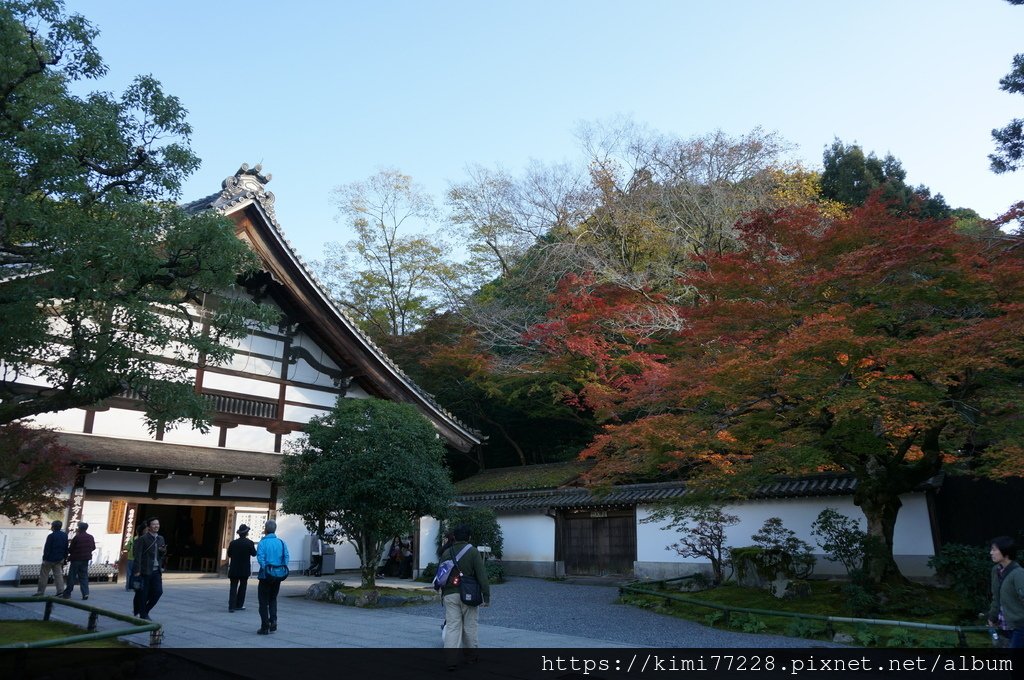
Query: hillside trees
{"x": 883, "y": 345}
{"x": 103, "y": 277}
{"x": 386, "y": 276}
{"x": 850, "y": 177}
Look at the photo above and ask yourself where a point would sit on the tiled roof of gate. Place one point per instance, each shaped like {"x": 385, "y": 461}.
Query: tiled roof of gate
{"x": 827, "y": 484}
{"x": 522, "y": 477}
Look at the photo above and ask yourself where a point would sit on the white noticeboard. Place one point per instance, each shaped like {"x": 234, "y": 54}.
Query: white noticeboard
{"x": 23, "y": 546}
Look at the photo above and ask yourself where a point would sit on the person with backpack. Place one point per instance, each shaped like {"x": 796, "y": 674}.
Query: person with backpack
{"x": 460, "y": 619}
{"x": 272, "y": 554}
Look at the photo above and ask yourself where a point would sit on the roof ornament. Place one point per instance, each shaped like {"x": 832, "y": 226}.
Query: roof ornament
{"x": 248, "y": 183}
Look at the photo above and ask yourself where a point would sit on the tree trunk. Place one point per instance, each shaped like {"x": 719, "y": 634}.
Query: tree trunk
{"x": 368, "y": 558}
{"x": 880, "y": 507}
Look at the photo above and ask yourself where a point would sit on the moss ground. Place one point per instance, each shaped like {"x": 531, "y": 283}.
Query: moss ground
{"x": 916, "y": 603}
{"x": 12, "y": 632}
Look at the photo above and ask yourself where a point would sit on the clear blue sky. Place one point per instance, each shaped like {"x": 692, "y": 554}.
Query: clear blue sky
{"x": 325, "y": 93}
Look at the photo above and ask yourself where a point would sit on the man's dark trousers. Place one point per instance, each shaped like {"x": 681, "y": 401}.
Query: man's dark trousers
{"x": 152, "y": 589}
{"x": 267, "y": 592}
{"x": 236, "y": 594}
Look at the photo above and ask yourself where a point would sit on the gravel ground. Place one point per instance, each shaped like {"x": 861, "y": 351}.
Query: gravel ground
{"x": 591, "y": 611}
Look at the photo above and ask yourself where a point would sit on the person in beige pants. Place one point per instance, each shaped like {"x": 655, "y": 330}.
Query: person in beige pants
{"x": 460, "y": 620}
{"x": 55, "y": 551}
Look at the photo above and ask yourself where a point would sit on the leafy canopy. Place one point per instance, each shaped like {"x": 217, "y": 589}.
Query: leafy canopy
{"x": 34, "y": 469}
{"x": 879, "y": 344}
{"x": 102, "y": 277}
{"x": 366, "y": 472}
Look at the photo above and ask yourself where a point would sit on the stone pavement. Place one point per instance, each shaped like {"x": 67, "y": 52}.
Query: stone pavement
{"x": 194, "y": 614}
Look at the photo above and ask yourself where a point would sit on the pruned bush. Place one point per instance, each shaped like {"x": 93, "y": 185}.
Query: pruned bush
{"x": 776, "y": 550}
{"x": 841, "y": 539}
{"x": 702, "y": 533}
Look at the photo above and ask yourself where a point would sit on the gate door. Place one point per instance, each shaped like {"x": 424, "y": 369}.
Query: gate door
{"x": 599, "y": 542}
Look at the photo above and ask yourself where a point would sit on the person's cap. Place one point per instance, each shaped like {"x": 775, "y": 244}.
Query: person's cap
{"x": 243, "y": 529}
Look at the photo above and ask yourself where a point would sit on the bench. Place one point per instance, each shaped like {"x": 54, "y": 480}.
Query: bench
{"x": 97, "y": 572}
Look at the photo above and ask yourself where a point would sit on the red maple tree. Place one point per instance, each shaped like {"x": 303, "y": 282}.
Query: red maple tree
{"x": 882, "y": 345}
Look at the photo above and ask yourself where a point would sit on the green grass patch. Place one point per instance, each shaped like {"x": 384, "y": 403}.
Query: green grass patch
{"x": 12, "y": 632}
{"x": 915, "y": 603}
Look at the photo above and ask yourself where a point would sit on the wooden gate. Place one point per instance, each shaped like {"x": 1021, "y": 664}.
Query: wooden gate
{"x": 599, "y": 542}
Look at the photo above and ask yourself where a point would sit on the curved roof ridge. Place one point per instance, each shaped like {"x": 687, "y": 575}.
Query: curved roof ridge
{"x": 249, "y": 184}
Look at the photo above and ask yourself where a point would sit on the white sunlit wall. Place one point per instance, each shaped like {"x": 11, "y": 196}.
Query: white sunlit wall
{"x": 913, "y": 541}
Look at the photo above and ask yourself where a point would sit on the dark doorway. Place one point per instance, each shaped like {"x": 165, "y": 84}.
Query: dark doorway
{"x": 599, "y": 542}
{"x": 973, "y": 510}
{"x": 192, "y": 532}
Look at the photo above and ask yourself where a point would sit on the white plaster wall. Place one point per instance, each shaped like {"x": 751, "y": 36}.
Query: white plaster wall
{"x": 302, "y": 371}
{"x": 309, "y": 395}
{"x": 301, "y": 414}
{"x": 185, "y": 485}
{"x": 528, "y": 537}
{"x": 110, "y": 480}
{"x": 356, "y": 392}
{"x": 72, "y": 420}
{"x": 249, "y": 438}
{"x": 108, "y": 546}
{"x": 912, "y": 537}
{"x": 427, "y": 549}
{"x": 121, "y": 423}
{"x": 254, "y": 365}
{"x": 292, "y": 531}
{"x": 290, "y": 441}
{"x": 233, "y": 383}
{"x": 247, "y": 488}
{"x": 186, "y": 435}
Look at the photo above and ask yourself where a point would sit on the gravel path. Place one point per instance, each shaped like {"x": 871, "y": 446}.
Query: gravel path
{"x": 591, "y": 611}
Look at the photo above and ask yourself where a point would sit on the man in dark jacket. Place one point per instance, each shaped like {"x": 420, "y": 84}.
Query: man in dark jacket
{"x": 55, "y": 551}
{"x": 80, "y": 554}
{"x": 240, "y": 551}
{"x": 150, "y": 550}
{"x": 460, "y": 619}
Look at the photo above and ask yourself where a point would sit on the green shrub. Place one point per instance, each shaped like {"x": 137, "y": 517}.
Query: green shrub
{"x": 429, "y": 571}
{"x": 483, "y": 527}
{"x": 866, "y": 636}
{"x": 495, "y": 571}
{"x": 966, "y": 570}
{"x": 803, "y": 628}
{"x": 860, "y": 600}
{"x": 774, "y": 538}
{"x": 841, "y": 539}
{"x": 748, "y": 623}
{"x": 902, "y": 638}
{"x": 714, "y": 618}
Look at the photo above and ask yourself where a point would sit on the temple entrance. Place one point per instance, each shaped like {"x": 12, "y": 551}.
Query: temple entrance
{"x": 192, "y": 532}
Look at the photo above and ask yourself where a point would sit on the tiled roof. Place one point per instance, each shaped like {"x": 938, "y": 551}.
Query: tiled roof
{"x": 829, "y": 484}
{"x": 154, "y": 456}
{"x": 523, "y": 477}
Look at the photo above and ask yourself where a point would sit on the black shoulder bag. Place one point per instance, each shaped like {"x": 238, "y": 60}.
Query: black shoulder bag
{"x": 470, "y": 593}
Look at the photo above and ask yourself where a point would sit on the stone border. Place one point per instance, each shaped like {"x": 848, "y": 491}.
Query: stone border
{"x": 331, "y": 591}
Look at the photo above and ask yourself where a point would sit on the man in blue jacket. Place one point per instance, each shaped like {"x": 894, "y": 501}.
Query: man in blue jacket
{"x": 55, "y": 551}
{"x": 272, "y": 554}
